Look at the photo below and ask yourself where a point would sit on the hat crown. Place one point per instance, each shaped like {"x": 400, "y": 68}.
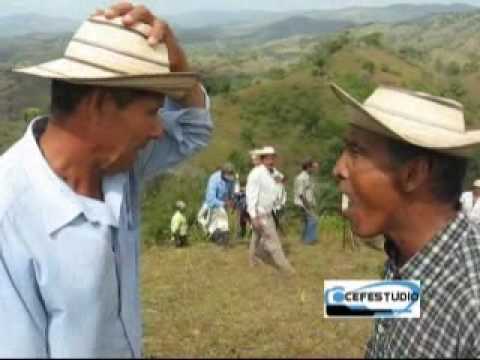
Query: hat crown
{"x": 112, "y": 47}
{"x": 418, "y": 107}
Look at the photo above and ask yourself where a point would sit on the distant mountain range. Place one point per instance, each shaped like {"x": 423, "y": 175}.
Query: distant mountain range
{"x": 245, "y": 22}
{"x": 390, "y": 14}
{"x": 292, "y": 26}
{"x": 358, "y": 15}
{"x": 17, "y": 25}
{"x": 264, "y": 26}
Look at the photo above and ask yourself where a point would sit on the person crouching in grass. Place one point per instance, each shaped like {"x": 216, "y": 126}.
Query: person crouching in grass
{"x": 179, "y": 226}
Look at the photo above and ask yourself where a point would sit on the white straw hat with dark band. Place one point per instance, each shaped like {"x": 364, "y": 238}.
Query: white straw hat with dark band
{"x": 105, "y": 53}
{"x": 417, "y": 118}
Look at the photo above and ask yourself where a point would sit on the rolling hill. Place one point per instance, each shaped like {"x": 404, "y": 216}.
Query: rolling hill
{"x": 449, "y": 37}
{"x": 391, "y": 14}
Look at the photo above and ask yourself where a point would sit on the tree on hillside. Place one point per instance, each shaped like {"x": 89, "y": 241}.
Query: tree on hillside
{"x": 374, "y": 39}
{"x": 453, "y": 69}
{"x": 369, "y": 66}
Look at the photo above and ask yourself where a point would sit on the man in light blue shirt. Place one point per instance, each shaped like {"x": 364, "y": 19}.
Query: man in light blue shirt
{"x": 220, "y": 187}
{"x": 218, "y": 197}
{"x": 69, "y": 195}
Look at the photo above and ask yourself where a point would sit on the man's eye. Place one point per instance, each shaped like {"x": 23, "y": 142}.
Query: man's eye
{"x": 353, "y": 149}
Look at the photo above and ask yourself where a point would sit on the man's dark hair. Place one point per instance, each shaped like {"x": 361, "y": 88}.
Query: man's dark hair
{"x": 65, "y": 97}
{"x": 307, "y": 164}
{"x": 448, "y": 171}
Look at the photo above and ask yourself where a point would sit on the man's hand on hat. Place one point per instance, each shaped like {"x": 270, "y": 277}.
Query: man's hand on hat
{"x": 157, "y": 31}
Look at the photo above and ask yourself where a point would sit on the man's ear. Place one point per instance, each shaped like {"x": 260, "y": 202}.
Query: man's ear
{"x": 414, "y": 174}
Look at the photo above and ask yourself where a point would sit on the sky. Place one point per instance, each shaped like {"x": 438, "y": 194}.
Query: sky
{"x": 77, "y": 9}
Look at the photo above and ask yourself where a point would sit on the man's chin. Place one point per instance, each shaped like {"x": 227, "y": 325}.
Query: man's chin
{"x": 360, "y": 228}
{"x": 364, "y": 231}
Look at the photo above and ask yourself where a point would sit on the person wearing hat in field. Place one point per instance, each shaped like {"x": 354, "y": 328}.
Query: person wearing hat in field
{"x": 261, "y": 192}
{"x": 179, "y": 225}
{"x": 124, "y": 107}
{"x": 304, "y": 199}
{"x": 219, "y": 198}
{"x": 470, "y": 202}
{"x": 402, "y": 169}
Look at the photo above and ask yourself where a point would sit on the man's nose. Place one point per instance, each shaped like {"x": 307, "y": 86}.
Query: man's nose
{"x": 340, "y": 171}
{"x": 158, "y": 130}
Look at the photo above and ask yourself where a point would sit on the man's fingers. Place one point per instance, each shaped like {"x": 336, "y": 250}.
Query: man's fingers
{"x": 138, "y": 14}
{"x": 119, "y": 9}
{"x": 158, "y": 32}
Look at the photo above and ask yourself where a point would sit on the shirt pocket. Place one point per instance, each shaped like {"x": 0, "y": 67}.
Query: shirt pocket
{"x": 81, "y": 267}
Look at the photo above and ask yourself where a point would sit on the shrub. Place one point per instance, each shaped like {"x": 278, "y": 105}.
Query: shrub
{"x": 453, "y": 69}
{"x": 369, "y": 66}
{"x": 373, "y": 39}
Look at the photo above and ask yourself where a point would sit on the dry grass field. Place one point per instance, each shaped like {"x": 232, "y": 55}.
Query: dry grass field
{"x": 203, "y": 301}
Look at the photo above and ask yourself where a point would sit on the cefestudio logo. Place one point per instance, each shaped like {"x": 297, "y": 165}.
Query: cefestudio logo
{"x": 372, "y": 299}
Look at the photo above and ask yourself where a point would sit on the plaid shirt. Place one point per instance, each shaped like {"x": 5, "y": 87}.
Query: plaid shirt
{"x": 449, "y": 271}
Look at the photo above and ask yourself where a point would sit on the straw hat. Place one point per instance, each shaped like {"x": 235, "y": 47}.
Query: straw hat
{"x": 417, "y": 118}
{"x": 476, "y": 183}
{"x": 267, "y": 150}
{"x": 180, "y": 205}
{"x": 105, "y": 53}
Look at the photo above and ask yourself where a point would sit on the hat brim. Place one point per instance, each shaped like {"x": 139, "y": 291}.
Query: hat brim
{"x": 462, "y": 144}
{"x": 174, "y": 84}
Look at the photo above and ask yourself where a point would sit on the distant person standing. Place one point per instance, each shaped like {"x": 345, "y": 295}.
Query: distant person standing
{"x": 261, "y": 195}
{"x": 304, "y": 198}
{"x": 179, "y": 226}
{"x": 470, "y": 202}
{"x": 240, "y": 201}
{"x": 218, "y": 197}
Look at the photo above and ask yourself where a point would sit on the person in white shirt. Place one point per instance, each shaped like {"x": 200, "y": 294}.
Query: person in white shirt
{"x": 261, "y": 195}
{"x": 470, "y": 202}
{"x": 304, "y": 192}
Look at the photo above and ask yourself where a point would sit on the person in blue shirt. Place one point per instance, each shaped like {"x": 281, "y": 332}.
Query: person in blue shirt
{"x": 69, "y": 188}
{"x": 219, "y": 198}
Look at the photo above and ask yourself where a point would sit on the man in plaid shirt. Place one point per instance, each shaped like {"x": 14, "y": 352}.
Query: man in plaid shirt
{"x": 402, "y": 169}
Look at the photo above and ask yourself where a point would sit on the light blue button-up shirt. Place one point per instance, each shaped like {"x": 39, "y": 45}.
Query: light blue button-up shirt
{"x": 218, "y": 190}
{"x": 69, "y": 265}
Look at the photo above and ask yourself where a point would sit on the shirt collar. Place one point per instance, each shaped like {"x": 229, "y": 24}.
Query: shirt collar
{"x": 432, "y": 257}
{"x": 60, "y": 204}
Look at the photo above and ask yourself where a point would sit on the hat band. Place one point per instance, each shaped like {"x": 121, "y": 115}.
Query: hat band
{"x": 119, "y": 52}
{"x": 411, "y": 118}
